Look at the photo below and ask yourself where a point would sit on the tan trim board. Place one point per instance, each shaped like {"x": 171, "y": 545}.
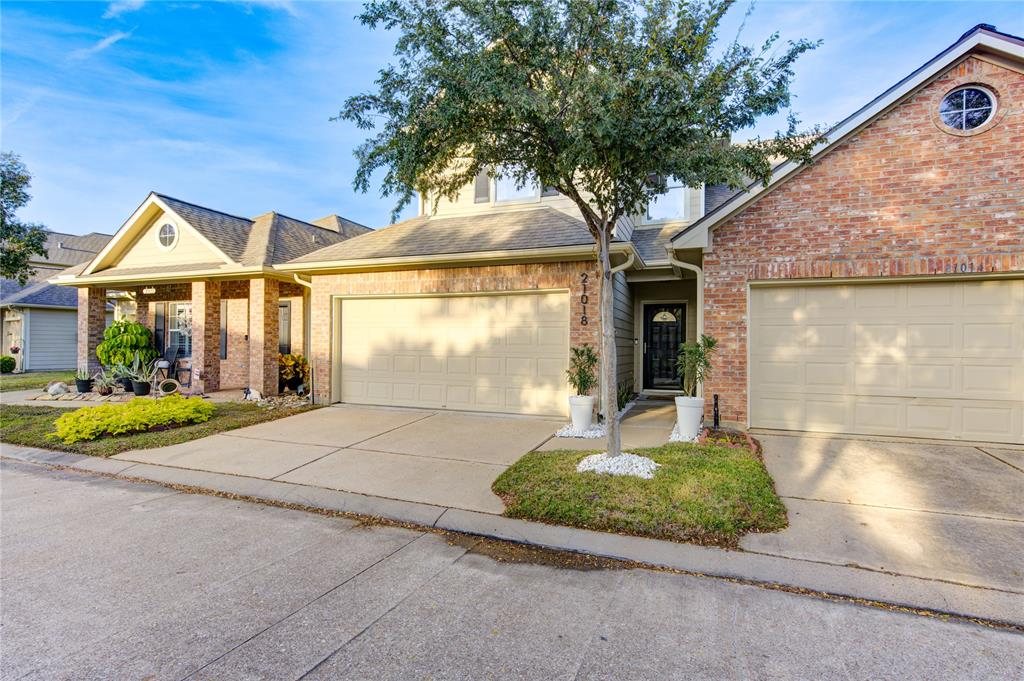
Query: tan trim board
{"x": 821, "y": 281}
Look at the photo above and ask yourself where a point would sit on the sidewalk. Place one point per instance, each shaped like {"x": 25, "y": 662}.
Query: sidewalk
{"x": 901, "y": 590}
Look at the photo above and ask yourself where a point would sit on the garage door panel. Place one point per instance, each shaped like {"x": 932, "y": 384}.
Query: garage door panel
{"x": 505, "y": 353}
{"x": 936, "y": 359}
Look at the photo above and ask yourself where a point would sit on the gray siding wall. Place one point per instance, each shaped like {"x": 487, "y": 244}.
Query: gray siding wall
{"x": 623, "y": 328}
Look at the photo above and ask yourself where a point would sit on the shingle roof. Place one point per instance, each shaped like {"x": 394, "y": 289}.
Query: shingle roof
{"x": 72, "y": 249}
{"x": 650, "y": 242}
{"x": 268, "y": 239}
{"x": 341, "y": 225}
{"x": 37, "y": 293}
{"x": 498, "y": 231}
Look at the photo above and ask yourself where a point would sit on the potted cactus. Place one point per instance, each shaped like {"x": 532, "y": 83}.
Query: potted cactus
{"x": 142, "y": 375}
{"x": 693, "y": 365}
{"x": 582, "y": 379}
{"x": 83, "y": 381}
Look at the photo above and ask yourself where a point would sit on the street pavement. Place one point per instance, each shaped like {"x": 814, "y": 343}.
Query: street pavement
{"x": 112, "y": 579}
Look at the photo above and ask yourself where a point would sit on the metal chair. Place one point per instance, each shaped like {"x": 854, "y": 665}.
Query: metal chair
{"x": 168, "y": 363}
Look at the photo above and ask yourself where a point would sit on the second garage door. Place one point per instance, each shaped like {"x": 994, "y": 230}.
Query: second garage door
{"x": 496, "y": 353}
{"x": 930, "y": 359}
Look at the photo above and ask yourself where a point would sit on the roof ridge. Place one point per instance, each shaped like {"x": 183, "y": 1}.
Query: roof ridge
{"x": 326, "y": 229}
{"x": 196, "y": 205}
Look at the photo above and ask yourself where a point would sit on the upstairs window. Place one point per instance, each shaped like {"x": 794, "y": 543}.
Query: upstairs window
{"x": 506, "y": 189}
{"x": 967, "y": 108}
{"x": 672, "y": 205}
{"x": 167, "y": 236}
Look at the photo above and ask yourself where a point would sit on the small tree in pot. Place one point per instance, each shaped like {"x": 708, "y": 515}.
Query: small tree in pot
{"x": 694, "y": 366}
{"x": 582, "y": 379}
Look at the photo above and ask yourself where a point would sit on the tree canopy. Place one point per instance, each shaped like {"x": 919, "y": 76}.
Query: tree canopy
{"x": 600, "y": 99}
{"x": 19, "y": 241}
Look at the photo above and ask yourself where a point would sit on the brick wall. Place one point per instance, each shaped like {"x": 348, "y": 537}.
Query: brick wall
{"x": 92, "y": 321}
{"x": 497, "y": 278}
{"x": 902, "y": 197}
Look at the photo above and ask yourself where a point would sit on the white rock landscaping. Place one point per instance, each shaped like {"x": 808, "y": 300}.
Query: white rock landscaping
{"x": 591, "y": 433}
{"x": 623, "y": 464}
{"x": 676, "y": 437}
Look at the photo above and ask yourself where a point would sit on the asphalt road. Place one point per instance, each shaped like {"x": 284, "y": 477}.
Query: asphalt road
{"x": 107, "y": 579}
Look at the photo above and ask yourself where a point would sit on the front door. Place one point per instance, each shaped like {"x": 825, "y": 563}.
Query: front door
{"x": 663, "y": 333}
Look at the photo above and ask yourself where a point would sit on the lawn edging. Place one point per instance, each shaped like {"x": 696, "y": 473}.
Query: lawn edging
{"x": 858, "y": 584}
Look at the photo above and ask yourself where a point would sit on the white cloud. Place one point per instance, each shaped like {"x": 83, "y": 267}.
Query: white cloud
{"x": 103, "y": 44}
{"x": 119, "y": 7}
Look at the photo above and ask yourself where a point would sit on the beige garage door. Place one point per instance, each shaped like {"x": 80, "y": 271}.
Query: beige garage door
{"x": 941, "y": 360}
{"x": 498, "y": 353}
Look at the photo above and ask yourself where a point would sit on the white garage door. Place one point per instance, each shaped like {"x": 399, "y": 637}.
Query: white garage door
{"x": 940, "y": 360}
{"x": 498, "y": 353}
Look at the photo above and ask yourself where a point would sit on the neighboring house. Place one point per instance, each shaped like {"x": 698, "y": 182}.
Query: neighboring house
{"x": 40, "y": 318}
{"x": 879, "y": 290}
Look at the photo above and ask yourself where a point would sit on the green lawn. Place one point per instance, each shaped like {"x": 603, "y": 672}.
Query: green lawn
{"x": 29, "y": 426}
{"x": 703, "y": 494}
{"x": 35, "y": 379}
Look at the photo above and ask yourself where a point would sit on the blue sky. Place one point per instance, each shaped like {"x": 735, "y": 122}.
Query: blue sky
{"x": 226, "y": 104}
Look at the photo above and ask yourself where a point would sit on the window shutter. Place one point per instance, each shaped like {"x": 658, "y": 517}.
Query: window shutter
{"x": 223, "y": 329}
{"x": 482, "y": 190}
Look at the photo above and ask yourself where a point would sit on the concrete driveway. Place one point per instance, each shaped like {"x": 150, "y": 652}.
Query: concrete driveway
{"x": 434, "y": 457}
{"x": 945, "y": 511}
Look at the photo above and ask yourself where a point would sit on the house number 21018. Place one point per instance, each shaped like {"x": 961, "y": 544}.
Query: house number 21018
{"x": 584, "y": 299}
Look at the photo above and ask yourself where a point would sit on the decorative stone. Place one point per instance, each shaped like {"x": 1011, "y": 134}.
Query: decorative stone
{"x": 56, "y": 388}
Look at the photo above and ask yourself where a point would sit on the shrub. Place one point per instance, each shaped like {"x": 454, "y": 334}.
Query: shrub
{"x": 293, "y": 366}
{"x": 7, "y": 364}
{"x": 581, "y": 369}
{"x": 136, "y": 416}
{"x": 125, "y": 340}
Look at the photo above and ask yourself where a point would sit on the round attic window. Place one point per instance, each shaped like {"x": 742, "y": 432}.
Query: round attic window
{"x": 167, "y": 236}
{"x": 967, "y": 108}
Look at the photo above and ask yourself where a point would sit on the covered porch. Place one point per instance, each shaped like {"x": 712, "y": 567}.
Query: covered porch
{"x": 221, "y": 334}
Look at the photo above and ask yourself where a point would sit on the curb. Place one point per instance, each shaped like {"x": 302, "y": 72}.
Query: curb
{"x": 849, "y": 582}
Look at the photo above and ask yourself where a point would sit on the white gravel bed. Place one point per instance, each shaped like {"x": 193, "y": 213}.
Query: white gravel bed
{"x": 676, "y": 437}
{"x": 593, "y": 433}
{"x": 623, "y": 464}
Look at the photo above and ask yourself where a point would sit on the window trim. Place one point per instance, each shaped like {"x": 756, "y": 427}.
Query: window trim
{"x": 171, "y": 318}
{"x": 177, "y": 235}
{"x": 970, "y": 86}
{"x": 646, "y": 219}
{"x": 282, "y": 304}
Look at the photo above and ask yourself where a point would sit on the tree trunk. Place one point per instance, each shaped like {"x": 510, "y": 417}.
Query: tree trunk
{"x": 608, "y": 358}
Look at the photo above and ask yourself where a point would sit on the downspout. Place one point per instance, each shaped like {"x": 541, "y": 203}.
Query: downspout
{"x": 630, "y": 258}
{"x": 307, "y": 327}
{"x": 700, "y": 287}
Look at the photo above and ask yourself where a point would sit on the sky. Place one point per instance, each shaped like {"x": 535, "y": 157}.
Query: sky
{"x": 228, "y": 104}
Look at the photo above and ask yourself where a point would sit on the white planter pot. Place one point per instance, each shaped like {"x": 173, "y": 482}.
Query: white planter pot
{"x": 581, "y": 408}
{"x": 689, "y": 416}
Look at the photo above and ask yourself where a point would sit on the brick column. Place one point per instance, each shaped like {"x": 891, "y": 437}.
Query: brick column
{"x": 263, "y": 335}
{"x": 205, "y": 336}
{"x": 92, "y": 320}
{"x": 143, "y": 315}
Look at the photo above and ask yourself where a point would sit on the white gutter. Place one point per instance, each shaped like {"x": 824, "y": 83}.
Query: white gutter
{"x": 299, "y": 280}
{"x": 630, "y": 258}
{"x": 700, "y": 287}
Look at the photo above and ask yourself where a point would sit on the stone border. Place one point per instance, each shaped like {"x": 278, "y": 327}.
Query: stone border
{"x": 855, "y": 583}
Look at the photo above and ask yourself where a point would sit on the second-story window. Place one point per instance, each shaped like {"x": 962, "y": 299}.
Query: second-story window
{"x": 672, "y": 205}
{"x": 506, "y": 189}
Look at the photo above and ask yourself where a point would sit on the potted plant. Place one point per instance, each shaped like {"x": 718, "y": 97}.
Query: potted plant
{"x": 104, "y": 383}
{"x": 83, "y": 381}
{"x": 583, "y": 380}
{"x": 693, "y": 365}
{"x": 293, "y": 372}
{"x": 122, "y": 376}
{"x": 143, "y": 374}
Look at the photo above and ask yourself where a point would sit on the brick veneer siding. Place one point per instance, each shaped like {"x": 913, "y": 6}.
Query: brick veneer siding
{"x": 263, "y": 335}
{"x": 205, "y": 336}
{"x": 496, "y": 279}
{"x": 92, "y": 321}
{"x": 901, "y": 197}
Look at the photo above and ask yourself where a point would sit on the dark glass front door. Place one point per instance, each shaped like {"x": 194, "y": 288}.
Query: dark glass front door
{"x": 663, "y": 333}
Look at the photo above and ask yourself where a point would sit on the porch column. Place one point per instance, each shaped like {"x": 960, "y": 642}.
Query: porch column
{"x": 263, "y": 335}
{"x": 142, "y": 313}
{"x": 205, "y": 336}
{"x": 92, "y": 320}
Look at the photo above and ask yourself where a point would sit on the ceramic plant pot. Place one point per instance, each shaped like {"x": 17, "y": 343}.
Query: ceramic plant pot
{"x": 689, "y": 416}
{"x": 581, "y": 409}
{"x": 141, "y": 388}
{"x": 83, "y": 385}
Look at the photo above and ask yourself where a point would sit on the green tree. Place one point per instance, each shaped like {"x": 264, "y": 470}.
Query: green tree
{"x": 600, "y": 99}
{"x": 19, "y": 241}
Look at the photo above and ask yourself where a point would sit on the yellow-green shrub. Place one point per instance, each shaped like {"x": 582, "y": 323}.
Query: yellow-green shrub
{"x": 141, "y": 414}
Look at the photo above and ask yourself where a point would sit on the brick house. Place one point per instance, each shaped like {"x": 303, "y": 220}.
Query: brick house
{"x": 879, "y": 290}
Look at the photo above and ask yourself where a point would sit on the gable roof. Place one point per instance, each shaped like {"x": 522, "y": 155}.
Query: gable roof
{"x": 263, "y": 241}
{"x": 530, "y": 229}
{"x": 343, "y": 226}
{"x": 980, "y": 38}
